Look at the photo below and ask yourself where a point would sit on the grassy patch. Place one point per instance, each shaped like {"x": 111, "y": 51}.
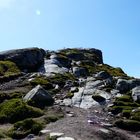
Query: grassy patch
{"x": 118, "y": 109}
{"x": 130, "y": 125}
{"x": 22, "y": 128}
{"x": 8, "y": 96}
{"x": 15, "y": 110}
{"x": 61, "y": 79}
{"x": 69, "y": 95}
{"x": 126, "y": 113}
{"x": 41, "y": 81}
{"x": 8, "y": 68}
{"x": 125, "y": 98}
{"x": 123, "y": 103}
{"x": 86, "y": 54}
{"x": 135, "y": 115}
{"x": 53, "y": 114}
{"x": 92, "y": 68}
{"x": 111, "y": 70}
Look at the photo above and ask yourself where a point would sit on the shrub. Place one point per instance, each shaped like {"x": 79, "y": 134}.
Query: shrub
{"x": 15, "y": 110}
{"x": 22, "y": 128}
{"x": 98, "y": 98}
{"x": 130, "y": 125}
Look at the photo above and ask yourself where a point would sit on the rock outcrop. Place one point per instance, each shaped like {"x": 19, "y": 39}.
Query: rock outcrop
{"x": 76, "y": 80}
{"x": 28, "y": 59}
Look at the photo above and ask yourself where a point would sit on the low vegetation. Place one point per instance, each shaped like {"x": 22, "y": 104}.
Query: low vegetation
{"x": 130, "y": 125}
{"x": 43, "y": 81}
{"x": 8, "y": 96}
{"x": 15, "y": 110}
{"x": 69, "y": 95}
{"x": 8, "y": 68}
{"x": 22, "y": 128}
{"x": 61, "y": 79}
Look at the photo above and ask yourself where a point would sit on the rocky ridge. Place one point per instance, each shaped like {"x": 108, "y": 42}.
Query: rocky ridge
{"x": 91, "y": 96}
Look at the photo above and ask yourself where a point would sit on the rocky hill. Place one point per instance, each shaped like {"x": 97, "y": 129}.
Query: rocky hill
{"x": 70, "y": 94}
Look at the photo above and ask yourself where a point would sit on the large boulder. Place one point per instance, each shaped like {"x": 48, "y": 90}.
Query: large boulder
{"x": 39, "y": 97}
{"x": 126, "y": 85}
{"x": 29, "y": 59}
{"x": 122, "y": 85}
{"x": 103, "y": 75}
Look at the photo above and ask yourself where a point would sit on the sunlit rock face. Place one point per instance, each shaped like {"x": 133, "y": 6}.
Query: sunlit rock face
{"x": 28, "y": 59}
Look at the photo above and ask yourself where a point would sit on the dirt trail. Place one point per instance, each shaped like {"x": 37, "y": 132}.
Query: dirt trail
{"x": 79, "y": 128}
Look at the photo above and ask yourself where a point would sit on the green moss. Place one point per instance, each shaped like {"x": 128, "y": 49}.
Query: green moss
{"x": 70, "y": 51}
{"x": 135, "y": 115}
{"x": 61, "y": 79}
{"x": 54, "y": 91}
{"x": 8, "y": 96}
{"x": 23, "y": 128}
{"x": 118, "y": 109}
{"x": 69, "y": 95}
{"x": 52, "y": 118}
{"x": 126, "y": 113}
{"x": 124, "y": 98}
{"x": 41, "y": 81}
{"x": 123, "y": 103}
{"x": 92, "y": 68}
{"x": 111, "y": 70}
{"x": 8, "y": 68}
{"x": 84, "y": 53}
{"x": 15, "y": 110}
{"x": 130, "y": 125}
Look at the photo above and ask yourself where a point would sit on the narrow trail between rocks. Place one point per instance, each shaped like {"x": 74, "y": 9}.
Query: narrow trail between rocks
{"x": 79, "y": 128}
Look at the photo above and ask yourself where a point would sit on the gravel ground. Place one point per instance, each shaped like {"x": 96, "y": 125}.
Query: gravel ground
{"x": 79, "y": 128}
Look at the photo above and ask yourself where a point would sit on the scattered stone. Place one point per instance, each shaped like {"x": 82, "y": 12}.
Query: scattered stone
{"x": 67, "y": 102}
{"x": 106, "y": 124}
{"x": 30, "y": 136}
{"x": 56, "y": 135}
{"x": 44, "y": 131}
{"x": 65, "y": 138}
{"x": 103, "y": 130}
{"x": 70, "y": 114}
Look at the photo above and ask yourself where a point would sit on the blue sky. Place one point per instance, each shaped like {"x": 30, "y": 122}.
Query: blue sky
{"x": 110, "y": 25}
